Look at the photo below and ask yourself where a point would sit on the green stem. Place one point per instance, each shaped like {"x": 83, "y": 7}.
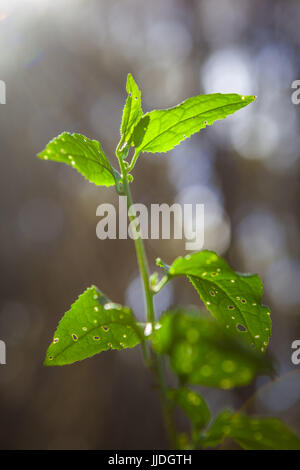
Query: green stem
{"x": 159, "y": 286}
{"x": 167, "y": 405}
{"x": 133, "y": 161}
{"x": 144, "y": 271}
{"x": 141, "y": 257}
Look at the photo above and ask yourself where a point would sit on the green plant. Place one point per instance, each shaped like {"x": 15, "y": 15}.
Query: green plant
{"x": 224, "y": 352}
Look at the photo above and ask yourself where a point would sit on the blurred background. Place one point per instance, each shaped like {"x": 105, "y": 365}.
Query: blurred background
{"x": 65, "y": 64}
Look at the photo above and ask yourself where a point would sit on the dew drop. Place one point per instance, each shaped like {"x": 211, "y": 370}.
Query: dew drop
{"x": 148, "y": 329}
{"x": 96, "y": 309}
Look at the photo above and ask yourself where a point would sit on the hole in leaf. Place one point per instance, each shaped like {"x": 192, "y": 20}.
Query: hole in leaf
{"x": 241, "y": 327}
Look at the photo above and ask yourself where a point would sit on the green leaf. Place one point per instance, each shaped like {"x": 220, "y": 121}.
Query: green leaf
{"x": 132, "y": 112}
{"x": 201, "y": 352}
{"x": 193, "y": 405}
{"x": 83, "y": 154}
{"x": 234, "y": 299}
{"x": 251, "y": 433}
{"x": 161, "y": 130}
{"x": 93, "y": 324}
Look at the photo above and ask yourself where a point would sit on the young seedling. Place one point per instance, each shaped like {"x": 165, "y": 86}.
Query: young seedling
{"x": 225, "y": 351}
